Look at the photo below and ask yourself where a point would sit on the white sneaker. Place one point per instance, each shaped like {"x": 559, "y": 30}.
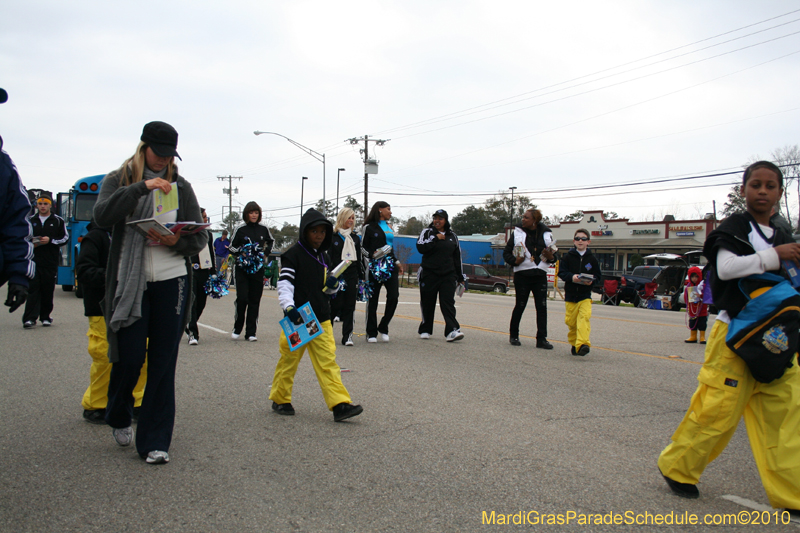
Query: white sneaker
{"x": 235, "y": 336}
{"x": 123, "y": 436}
{"x": 455, "y": 335}
{"x": 47, "y": 322}
{"x": 336, "y": 319}
{"x": 252, "y": 338}
{"x": 192, "y": 340}
{"x": 349, "y": 341}
{"x": 385, "y": 337}
{"x": 157, "y": 457}
{"x": 372, "y": 339}
{"x": 425, "y": 336}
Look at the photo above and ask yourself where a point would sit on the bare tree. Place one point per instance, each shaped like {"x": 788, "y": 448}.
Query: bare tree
{"x": 788, "y": 158}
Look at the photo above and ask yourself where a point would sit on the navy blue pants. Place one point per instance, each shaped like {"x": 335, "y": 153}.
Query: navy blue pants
{"x": 156, "y": 335}
{"x": 392, "y": 286}
{"x": 526, "y": 282}
{"x": 431, "y": 286}
{"x": 249, "y": 289}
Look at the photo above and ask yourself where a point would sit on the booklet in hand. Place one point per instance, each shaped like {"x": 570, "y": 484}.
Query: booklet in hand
{"x": 170, "y": 228}
{"x": 300, "y": 334}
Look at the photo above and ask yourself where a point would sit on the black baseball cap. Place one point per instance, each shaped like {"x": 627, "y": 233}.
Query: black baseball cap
{"x": 161, "y": 138}
{"x": 441, "y": 213}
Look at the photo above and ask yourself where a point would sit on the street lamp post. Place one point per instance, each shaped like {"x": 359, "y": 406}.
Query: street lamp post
{"x": 302, "y": 186}
{"x": 316, "y": 155}
{"x": 512, "y": 205}
{"x": 339, "y": 171}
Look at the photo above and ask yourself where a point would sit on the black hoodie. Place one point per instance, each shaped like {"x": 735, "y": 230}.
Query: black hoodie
{"x": 303, "y": 269}
{"x": 90, "y": 268}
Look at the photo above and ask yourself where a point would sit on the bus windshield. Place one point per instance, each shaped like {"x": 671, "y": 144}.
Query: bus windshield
{"x": 84, "y": 206}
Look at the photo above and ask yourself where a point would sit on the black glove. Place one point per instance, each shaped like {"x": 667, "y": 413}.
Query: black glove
{"x": 17, "y": 294}
{"x": 293, "y": 314}
{"x": 332, "y": 282}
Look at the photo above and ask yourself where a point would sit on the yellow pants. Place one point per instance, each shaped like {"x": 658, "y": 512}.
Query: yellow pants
{"x": 577, "y": 320}
{"x": 726, "y": 392}
{"x": 96, "y": 395}
{"x": 322, "y": 352}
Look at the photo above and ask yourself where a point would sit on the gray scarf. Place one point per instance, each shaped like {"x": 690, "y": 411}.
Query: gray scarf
{"x": 131, "y": 280}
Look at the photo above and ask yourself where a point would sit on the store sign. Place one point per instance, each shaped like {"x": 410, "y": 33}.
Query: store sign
{"x": 685, "y": 228}
{"x": 684, "y": 234}
{"x": 644, "y": 232}
{"x": 606, "y": 233}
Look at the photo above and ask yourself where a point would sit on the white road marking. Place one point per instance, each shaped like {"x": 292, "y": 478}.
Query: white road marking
{"x": 750, "y": 504}
{"x": 213, "y": 329}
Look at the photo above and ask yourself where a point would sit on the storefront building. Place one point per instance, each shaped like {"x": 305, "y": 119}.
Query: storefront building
{"x": 615, "y": 241}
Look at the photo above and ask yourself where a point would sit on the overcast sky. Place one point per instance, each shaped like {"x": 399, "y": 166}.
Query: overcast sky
{"x": 474, "y": 97}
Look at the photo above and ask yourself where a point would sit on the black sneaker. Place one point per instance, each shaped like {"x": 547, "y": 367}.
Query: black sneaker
{"x": 514, "y": 341}
{"x": 572, "y": 350}
{"x": 95, "y": 416}
{"x": 684, "y": 490}
{"x": 344, "y": 411}
{"x": 544, "y": 345}
{"x": 283, "y": 409}
{"x": 583, "y": 350}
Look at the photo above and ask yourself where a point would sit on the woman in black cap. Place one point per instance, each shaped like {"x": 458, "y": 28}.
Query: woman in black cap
{"x": 251, "y": 245}
{"x": 439, "y": 273}
{"x": 148, "y": 287}
{"x": 377, "y": 243}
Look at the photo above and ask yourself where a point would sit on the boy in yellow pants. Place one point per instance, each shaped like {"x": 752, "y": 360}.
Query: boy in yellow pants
{"x": 579, "y": 268}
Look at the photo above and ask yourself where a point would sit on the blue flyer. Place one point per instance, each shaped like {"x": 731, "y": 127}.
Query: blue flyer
{"x": 299, "y": 334}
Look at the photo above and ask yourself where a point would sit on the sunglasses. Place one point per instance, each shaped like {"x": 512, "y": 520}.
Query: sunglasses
{"x": 581, "y": 238}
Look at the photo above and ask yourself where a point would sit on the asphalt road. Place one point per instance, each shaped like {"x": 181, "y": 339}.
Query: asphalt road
{"x": 451, "y": 432}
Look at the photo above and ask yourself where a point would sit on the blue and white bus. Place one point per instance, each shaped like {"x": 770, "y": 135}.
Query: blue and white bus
{"x": 76, "y": 208}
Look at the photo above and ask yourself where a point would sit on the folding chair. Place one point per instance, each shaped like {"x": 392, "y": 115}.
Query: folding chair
{"x": 610, "y": 294}
{"x": 647, "y": 293}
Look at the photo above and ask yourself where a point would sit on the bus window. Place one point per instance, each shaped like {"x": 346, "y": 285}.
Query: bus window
{"x": 84, "y": 206}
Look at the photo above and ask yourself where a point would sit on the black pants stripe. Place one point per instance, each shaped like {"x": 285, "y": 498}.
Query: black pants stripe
{"x": 432, "y": 287}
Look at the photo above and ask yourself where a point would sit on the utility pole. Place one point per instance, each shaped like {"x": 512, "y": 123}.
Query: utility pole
{"x": 230, "y": 193}
{"x": 370, "y": 165}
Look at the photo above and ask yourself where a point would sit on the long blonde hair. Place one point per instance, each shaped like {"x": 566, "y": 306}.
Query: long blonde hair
{"x": 132, "y": 169}
{"x": 344, "y": 214}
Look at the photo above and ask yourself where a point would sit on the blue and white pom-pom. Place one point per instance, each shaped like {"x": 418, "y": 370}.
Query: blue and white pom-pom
{"x": 381, "y": 269}
{"x": 364, "y": 291}
{"x": 342, "y": 286}
{"x": 216, "y": 286}
{"x": 252, "y": 258}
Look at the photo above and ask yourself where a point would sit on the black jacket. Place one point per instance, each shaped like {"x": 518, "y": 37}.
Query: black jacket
{"x": 303, "y": 270}
{"x": 374, "y": 238}
{"x": 356, "y": 269}
{"x": 440, "y": 257}
{"x": 90, "y": 268}
{"x": 534, "y": 242}
{"x": 47, "y": 255}
{"x": 572, "y": 263}
{"x": 732, "y": 235}
{"x": 251, "y": 232}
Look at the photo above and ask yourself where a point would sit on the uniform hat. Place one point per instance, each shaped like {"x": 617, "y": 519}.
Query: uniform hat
{"x": 441, "y": 213}
{"x": 161, "y": 138}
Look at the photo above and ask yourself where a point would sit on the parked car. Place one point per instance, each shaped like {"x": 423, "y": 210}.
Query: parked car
{"x": 671, "y": 278}
{"x": 630, "y": 285}
{"x": 478, "y": 278}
